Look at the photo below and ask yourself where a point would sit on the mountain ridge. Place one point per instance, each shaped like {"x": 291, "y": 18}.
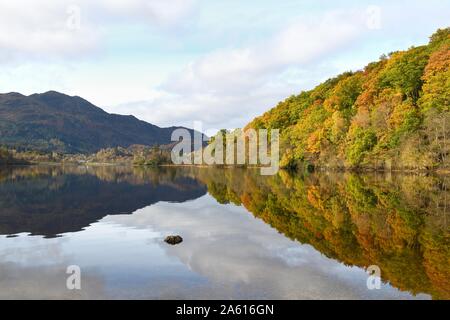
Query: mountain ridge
{"x": 53, "y": 121}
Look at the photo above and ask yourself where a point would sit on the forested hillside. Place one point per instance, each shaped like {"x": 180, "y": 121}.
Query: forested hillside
{"x": 55, "y": 122}
{"x": 393, "y": 114}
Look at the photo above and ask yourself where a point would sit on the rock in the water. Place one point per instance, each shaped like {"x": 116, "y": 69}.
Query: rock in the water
{"x": 173, "y": 240}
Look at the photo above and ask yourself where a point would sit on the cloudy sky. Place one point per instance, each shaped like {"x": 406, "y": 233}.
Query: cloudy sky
{"x": 173, "y": 62}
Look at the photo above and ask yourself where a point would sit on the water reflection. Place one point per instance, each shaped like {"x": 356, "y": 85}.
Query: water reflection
{"x": 398, "y": 222}
{"x": 344, "y": 223}
{"x": 52, "y": 200}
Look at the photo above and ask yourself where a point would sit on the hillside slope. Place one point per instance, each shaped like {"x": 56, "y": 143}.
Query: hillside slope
{"x": 393, "y": 114}
{"x": 56, "y": 122}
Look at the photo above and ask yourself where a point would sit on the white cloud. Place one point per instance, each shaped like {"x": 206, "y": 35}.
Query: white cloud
{"x": 229, "y": 61}
{"x": 39, "y": 29}
{"x": 151, "y": 11}
{"x": 215, "y": 112}
{"x": 44, "y": 28}
{"x": 228, "y": 87}
{"x": 245, "y": 68}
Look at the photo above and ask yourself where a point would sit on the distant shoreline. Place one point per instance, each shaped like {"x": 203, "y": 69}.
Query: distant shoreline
{"x": 438, "y": 171}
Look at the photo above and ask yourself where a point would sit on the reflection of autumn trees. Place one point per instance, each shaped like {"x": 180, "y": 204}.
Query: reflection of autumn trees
{"x": 399, "y": 223}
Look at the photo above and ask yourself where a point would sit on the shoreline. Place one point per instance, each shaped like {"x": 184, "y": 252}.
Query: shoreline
{"x": 439, "y": 171}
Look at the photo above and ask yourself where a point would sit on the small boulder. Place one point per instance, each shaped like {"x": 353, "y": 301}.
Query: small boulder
{"x": 173, "y": 240}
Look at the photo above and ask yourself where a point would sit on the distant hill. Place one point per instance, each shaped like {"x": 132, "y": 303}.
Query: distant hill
{"x": 54, "y": 121}
{"x": 393, "y": 114}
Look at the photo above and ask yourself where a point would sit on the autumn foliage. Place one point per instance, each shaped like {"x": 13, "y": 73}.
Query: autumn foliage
{"x": 394, "y": 114}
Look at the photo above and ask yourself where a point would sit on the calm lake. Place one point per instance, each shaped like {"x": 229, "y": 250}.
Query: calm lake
{"x": 246, "y": 236}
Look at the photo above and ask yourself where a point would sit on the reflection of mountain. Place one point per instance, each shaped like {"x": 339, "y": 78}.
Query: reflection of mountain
{"x": 399, "y": 223}
{"x": 51, "y": 201}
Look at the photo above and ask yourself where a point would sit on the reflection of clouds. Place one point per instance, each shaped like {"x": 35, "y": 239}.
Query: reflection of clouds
{"x": 294, "y": 257}
{"x": 21, "y": 251}
{"x": 244, "y": 258}
{"x": 226, "y": 254}
{"x": 35, "y": 268}
{"x": 45, "y": 282}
